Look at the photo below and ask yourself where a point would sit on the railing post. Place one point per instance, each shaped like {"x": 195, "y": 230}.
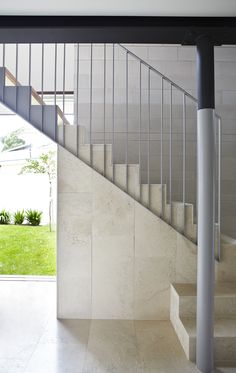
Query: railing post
{"x": 140, "y": 129}
{"x": 104, "y": 108}
{"x": 219, "y": 188}
{"x": 42, "y": 87}
{"x": 170, "y": 155}
{"x": 55, "y": 89}
{"x": 206, "y": 159}
{"x": 91, "y": 107}
{"x": 63, "y": 92}
{"x": 184, "y": 159}
{"x": 113, "y": 111}
{"x": 127, "y": 117}
{"x": 149, "y": 138}
{"x": 29, "y": 65}
{"x": 162, "y": 123}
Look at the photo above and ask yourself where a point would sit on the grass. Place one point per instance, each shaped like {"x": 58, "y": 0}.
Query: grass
{"x": 27, "y": 250}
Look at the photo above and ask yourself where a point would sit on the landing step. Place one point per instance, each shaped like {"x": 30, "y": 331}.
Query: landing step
{"x": 184, "y": 296}
{"x": 183, "y": 318}
{"x": 227, "y": 289}
{"x": 224, "y": 340}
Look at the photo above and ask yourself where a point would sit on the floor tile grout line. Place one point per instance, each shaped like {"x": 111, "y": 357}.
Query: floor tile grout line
{"x": 86, "y": 351}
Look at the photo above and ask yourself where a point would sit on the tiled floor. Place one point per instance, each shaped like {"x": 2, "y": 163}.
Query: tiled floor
{"x": 33, "y": 341}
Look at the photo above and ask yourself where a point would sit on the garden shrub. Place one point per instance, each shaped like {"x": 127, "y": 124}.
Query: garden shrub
{"x": 33, "y": 217}
{"x": 5, "y": 217}
{"x": 19, "y": 217}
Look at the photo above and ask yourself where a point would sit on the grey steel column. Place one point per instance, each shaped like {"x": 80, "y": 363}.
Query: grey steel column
{"x": 206, "y": 191}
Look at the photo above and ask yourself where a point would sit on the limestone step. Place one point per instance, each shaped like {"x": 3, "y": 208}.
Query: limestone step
{"x": 71, "y": 137}
{"x": 126, "y": 177}
{"x": 190, "y": 226}
{"x": 224, "y": 340}
{"x": 182, "y": 218}
{"x": 183, "y": 318}
{"x": 226, "y": 266}
{"x": 225, "y": 300}
{"x": 95, "y": 156}
{"x": 153, "y": 196}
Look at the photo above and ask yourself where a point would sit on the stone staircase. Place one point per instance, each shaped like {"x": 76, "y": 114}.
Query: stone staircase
{"x": 49, "y": 119}
{"x": 183, "y": 318}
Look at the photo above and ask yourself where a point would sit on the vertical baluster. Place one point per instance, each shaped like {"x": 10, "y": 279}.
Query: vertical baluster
{"x": 104, "y": 110}
{"x": 149, "y": 125}
{"x": 113, "y": 110}
{"x": 42, "y": 86}
{"x": 77, "y": 102}
{"x": 196, "y": 184}
{"x": 55, "y": 89}
{"x": 162, "y": 116}
{"x": 3, "y": 64}
{"x": 42, "y": 73}
{"x": 170, "y": 154}
{"x": 55, "y": 76}
{"x": 91, "y": 106}
{"x": 30, "y": 61}
{"x": 29, "y": 78}
{"x": 63, "y": 92}
{"x": 127, "y": 116}
{"x": 3, "y": 54}
{"x": 184, "y": 159}
{"x": 219, "y": 186}
{"x": 17, "y": 56}
{"x": 140, "y": 128}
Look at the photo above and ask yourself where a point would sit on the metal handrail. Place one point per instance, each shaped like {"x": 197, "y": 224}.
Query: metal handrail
{"x": 159, "y": 73}
{"x": 166, "y": 131}
{"x": 219, "y": 121}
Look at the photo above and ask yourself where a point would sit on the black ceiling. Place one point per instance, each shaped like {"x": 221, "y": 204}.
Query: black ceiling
{"x": 109, "y": 29}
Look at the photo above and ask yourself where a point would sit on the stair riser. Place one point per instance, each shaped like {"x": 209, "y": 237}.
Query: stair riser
{"x": 44, "y": 119}
{"x": 18, "y": 99}
{"x": 224, "y": 307}
{"x": 224, "y": 351}
{"x": 154, "y": 199}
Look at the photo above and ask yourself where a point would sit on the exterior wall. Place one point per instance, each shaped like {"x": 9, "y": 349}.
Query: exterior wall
{"x": 23, "y": 192}
{"x": 116, "y": 259}
{"x": 178, "y": 63}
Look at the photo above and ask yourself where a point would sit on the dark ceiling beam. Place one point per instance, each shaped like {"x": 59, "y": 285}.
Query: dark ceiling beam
{"x": 112, "y": 29}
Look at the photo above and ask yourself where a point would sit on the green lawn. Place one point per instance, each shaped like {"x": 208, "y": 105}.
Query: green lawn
{"x": 27, "y": 250}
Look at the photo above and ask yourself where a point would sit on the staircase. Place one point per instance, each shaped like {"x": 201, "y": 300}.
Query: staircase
{"x": 157, "y": 197}
{"x": 183, "y": 318}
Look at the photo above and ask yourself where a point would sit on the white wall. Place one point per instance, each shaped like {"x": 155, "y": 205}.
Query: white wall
{"x": 115, "y": 259}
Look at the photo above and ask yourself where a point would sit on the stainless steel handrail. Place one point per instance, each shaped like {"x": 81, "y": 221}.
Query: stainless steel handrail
{"x": 172, "y": 85}
{"x": 167, "y": 135}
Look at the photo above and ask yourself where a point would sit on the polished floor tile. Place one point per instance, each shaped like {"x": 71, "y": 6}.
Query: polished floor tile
{"x": 32, "y": 340}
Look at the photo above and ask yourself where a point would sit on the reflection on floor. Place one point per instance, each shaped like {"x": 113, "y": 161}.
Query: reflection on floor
{"x": 33, "y": 341}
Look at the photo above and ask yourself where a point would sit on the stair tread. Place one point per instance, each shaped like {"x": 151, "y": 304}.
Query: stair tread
{"x": 221, "y": 290}
{"x": 223, "y": 328}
